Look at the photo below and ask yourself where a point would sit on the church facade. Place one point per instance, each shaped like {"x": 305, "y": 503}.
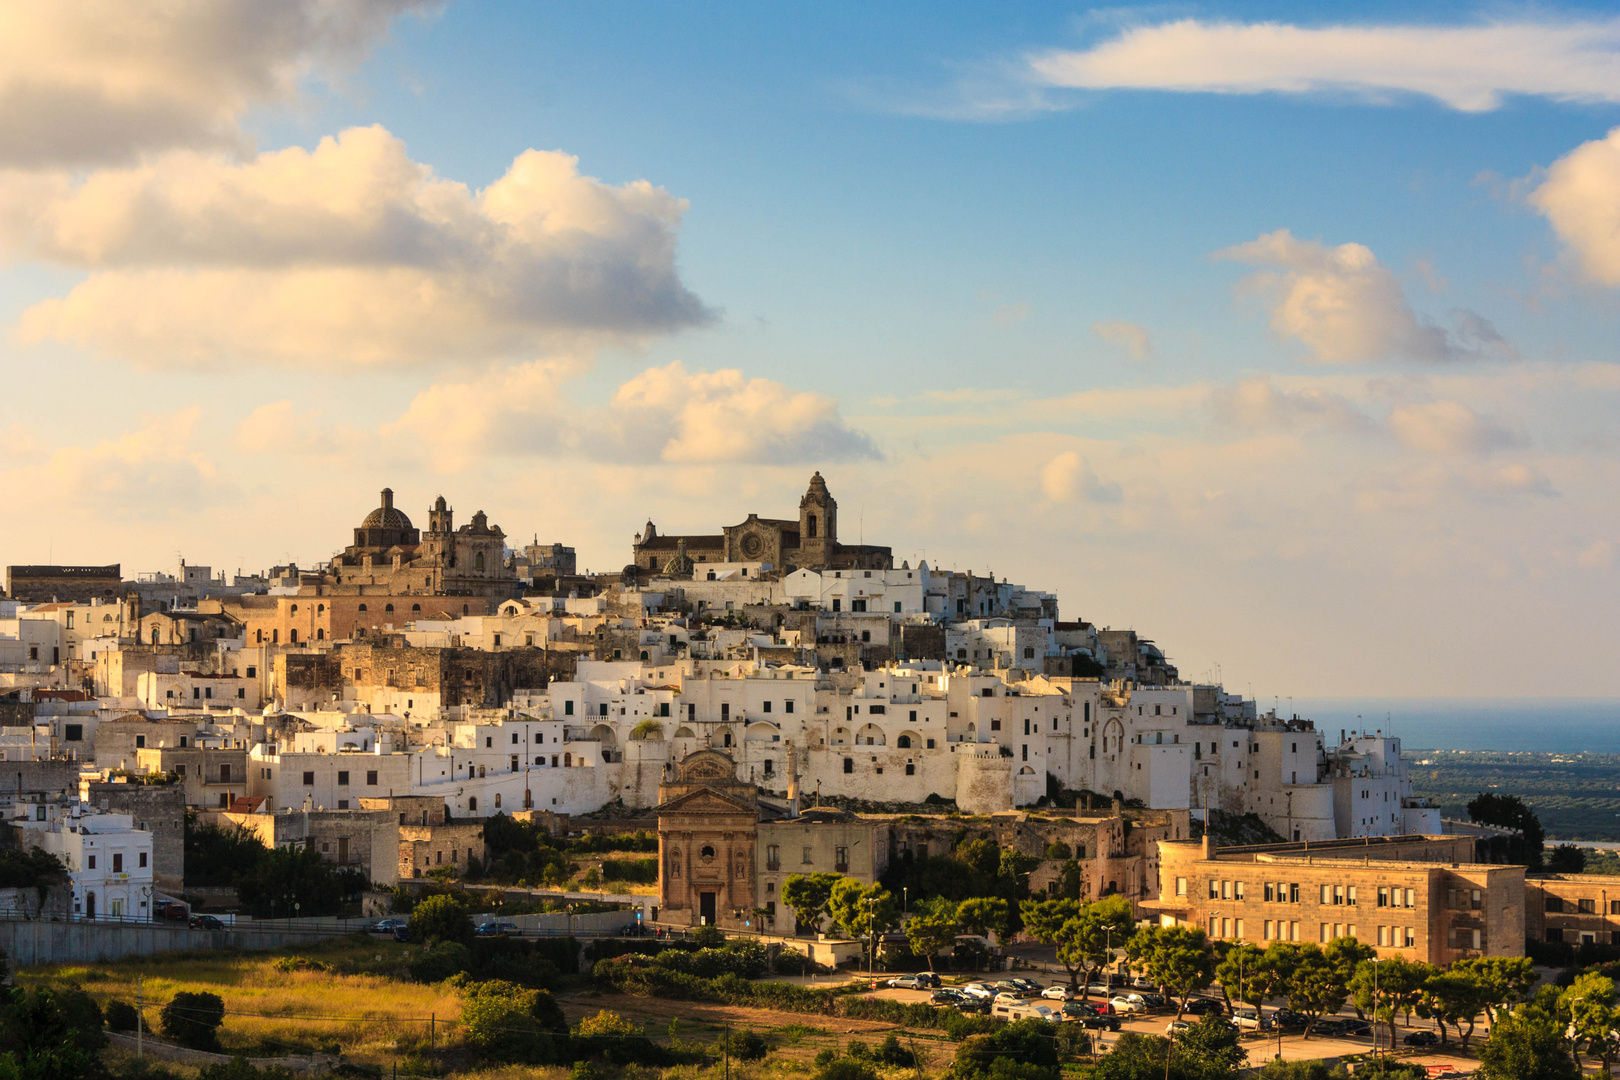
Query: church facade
{"x": 390, "y": 555}
{"x": 708, "y": 825}
{"x": 810, "y": 541}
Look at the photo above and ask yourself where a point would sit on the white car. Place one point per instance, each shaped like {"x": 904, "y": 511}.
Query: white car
{"x": 1057, "y": 993}
{"x": 979, "y": 990}
{"x": 1007, "y": 998}
{"x": 1126, "y": 1004}
{"x": 1175, "y": 1027}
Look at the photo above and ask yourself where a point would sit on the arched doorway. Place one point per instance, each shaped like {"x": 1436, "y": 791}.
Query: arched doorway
{"x": 90, "y": 905}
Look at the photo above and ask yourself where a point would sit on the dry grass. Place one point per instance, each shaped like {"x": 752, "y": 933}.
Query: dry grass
{"x": 357, "y": 999}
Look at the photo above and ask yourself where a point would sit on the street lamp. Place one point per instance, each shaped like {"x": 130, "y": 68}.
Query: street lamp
{"x": 905, "y": 895}
{"x": 871, "y": 934}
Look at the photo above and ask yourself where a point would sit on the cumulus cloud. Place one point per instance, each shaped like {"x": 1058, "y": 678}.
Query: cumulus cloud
{"x": 1067, "y": 478}
{"x": 1469, "y": 68}
{"x": 351, "y": 253}
{"x": 1581, "y": 198}
{"x": 664, "y": 414}
{"x": 279, "y": 426}
{"x": 1347, "y": 307}
{"x": 100, "y": 81}
{"x": 1448, "y": 428}
{"x": 1132, "y": 337}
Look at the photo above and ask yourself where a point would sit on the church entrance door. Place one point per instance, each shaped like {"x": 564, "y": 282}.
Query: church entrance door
{"x": 706, "y": 907}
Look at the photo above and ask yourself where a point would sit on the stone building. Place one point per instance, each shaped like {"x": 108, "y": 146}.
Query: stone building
{"x": 209, "y": 777}
{"x": 1417, "y": 897}
{"x": 810, "y": 541}
{"x": 1575, "y": 909}
{"x": 428, "y": 837}
{"x": 391, "y": 554}
{"x": 708, "y": 831}
{"x": 80, "y": 584}
{"x": 159, "y": 809}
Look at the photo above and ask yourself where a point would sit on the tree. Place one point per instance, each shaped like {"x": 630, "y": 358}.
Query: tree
{"x": 287, "y": 876}
{"x": 647, "y": 729}
{"x": 442, "y": 917}
{"x": 807, "y": 895}
{"x": 1506, "y": 979}
{"x": 1593, "y": 1016}
{"x": 1510, "y": 812}
{"x": 1455, "y": 998}
{"x": 982, "y": 855}
{"x": 932, "y": 928}
{"x": 46, "y": 1036}
{"x": 983, "y": 915}
{"x": 1566, "y": 859}
{"x": 862, "y": 910}
{"x": 507, "y": 1022}
{"x": 1242, "y": 974}
{"x": 1048, "y": 921}
{"x": 1526, "y": 1044}
{"x": 1346, "y": 954}
{"x": 1176, "y": 958}
{"x": 1086, "y": 943}
{"x": 1021, "y": 1050}
{"x": 1210, "y": 1049}
{"x": 1385, "y": 988}
{"x": 1310, "y": 983}
{"x": 193, "y": 1019}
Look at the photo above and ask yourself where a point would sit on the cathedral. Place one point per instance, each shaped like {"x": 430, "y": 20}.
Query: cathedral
{"x": 808, "y": 542}
{"x": 392, "y": 554}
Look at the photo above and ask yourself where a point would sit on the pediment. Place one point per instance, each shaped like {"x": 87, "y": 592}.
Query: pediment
{"x": 706, "y": 800}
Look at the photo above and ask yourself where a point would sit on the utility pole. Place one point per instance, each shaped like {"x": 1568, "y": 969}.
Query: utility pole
{"x": 140, "y": 1002}
{"x": 728, "y": 1050}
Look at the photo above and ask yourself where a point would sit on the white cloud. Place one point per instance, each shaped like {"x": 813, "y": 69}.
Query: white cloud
{"x": 1469, "y": 68}
{"x": 1258, "y": 403}
{"x": 1581, "y": 198}
{"x": 1448, "y": 428}
{"x": 1067, "y": 477}
{"x": 96, "y": 81}
{"x": 664, "y": 414}
{"x": 1347, "y": 307}
{"x": 151, "y": 471}
{"x": 1132, "y": 337}
{"x": 280, "y": 428}
{"x": 348, "y": 254}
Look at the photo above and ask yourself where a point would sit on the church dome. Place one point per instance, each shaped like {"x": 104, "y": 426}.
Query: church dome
{"x": 386, "y": 516}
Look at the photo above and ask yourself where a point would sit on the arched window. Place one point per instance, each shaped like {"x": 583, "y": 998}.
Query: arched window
{"x": 810, "y": 527}
{"x": 275, "y": 636}
{"x": 904, "y": 742}
{"x": 478, "y": 561}
{"x": 320, "y": 634}
{"x": 389, "y": 608}
{"x": 320, "y": 609}
{"x": 415, "y": 608}
{"x": 472, "y": 803}
{"x": 464, "y": 609}
{"x": 497, "y": 800}
{"x": 154, "y": 635}
{"x": 258, "y": 637}
{"x": 292, "y": 635}
{"x": 362, "y": 607}
{"x": 295, "y": 609}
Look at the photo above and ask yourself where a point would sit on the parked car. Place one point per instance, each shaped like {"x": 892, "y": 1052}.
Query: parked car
{"x": 1289, "y": 1020}
{"x": 1029, "y": 986}
{"x": 1102, "y": 990}
{"x": 1156, "y": 1002}
{"x": 979, "y": 990}
{"x": 974, "y": 1005}
{"x": 172, "y": 910}
{"x": 1198, "y": 1006}
{"x": 1089, "y": 1018}
{"x": 1128, "y": 1003}
{"x": 1175, "y": 1027}
{"x": 947, "y": 996}
{"x": 1355, "y": 1026}
{"x": 206, "y": 922}
{"x": 496, "y": 929}
{"x": 1422, "y": 1038}
{"x": 1328, "y": 1026}
{"x": 1250, "y": 1019}
{"x": 634, "y": 929}
{"x": 907, "y": 982}
{"x": 388, "y": 926}
{"x": 1058, "y": 992}
{"x": 1007, "y": 997}
{"x": 401, "y": 933}
{"x": 929, "y": 979}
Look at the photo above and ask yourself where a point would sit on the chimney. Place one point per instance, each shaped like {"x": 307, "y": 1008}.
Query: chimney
{"x": 1208, "y": 852}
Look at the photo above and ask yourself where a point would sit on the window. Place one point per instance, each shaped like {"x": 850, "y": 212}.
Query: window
{"x": 911, "y": 770}
{"x": 140, "y": 742}
{"x": 849, "y": 765}
{"x": 787, "y": 706}
{"x": 371, "y": 777}
{"x": 343, "y": 779}
{"x": 773, "y": 856}
{"x": 309, "y": 779}
{"x": 1181, "y": 886}
{"x": 807, "y": 859}
{"x": 1214, "y": 889}
{"x": 841, "y": 859}
{"x": 143, "y": 860}
{"x": 1588, "y": 907}
{"x": 90, "y": 862}
{"x": 118, "y": 862}
{"x": 73, "y": 732}
{"x": 568, "y": 708}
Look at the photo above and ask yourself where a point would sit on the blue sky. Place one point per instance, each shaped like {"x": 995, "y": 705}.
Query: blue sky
{"x": 1200, "y": 315}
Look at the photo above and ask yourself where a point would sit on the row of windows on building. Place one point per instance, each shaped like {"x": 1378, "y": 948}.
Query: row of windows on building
{"x": 117, "y": 861}
{"x": 1283, "y": 892}
{"x": 773, "y": 859}
{"x": 1580, "y": 906}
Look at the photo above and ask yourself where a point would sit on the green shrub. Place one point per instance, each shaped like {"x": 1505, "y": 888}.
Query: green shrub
{"x": 890, "y": 1052}
{"x": 193, "y": 1019}
{"x": 846, "y": 1069}
{"x": 121, "y": 1016}
{"x": 640, "y": 871}
{"x": 438, "y": 962}
{"x": 826, "y": 1057}
{"x": 505, "y": 1022}
{"x": 443, "y": 917}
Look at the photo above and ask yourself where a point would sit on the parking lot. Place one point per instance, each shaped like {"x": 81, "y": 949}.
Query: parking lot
{"x": 1262, "y": 1047}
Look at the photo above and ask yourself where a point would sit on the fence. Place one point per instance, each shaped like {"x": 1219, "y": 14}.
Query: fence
{"x": 30, "y": 941}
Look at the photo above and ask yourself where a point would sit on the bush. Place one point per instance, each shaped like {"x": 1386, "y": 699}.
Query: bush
{"x": 438, "y": 962}
{"x": 121, "y": 1016}
{"x": 193, "y": 1019}
{"x": 747, "y": 1045}
{"x": 441, "y": 918}
{"x": 1057, "y": 849}
{"x": 890, "y": 1052}
{"x": 846, "y": 1069}
{"x": 1022, "y": 1050}
{"x": 639, "y": 871}
{"x": 826, "y": 1057}
{"x": 618, "y": 1041}
{"x": 789, "y": 962}
{"x": 505, "y": 1022}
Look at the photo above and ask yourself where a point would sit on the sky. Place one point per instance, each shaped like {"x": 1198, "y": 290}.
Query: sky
{"x": 1284, "y": 334}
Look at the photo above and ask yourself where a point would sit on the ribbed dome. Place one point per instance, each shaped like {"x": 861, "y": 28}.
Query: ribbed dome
{"x": 386, "y": 516}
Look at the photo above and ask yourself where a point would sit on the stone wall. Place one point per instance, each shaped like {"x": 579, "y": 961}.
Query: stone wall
{"x": 160, "y": 809}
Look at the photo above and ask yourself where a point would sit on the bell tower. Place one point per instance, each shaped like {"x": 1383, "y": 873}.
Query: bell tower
{"x": 818, "y": 525}
{"x": 440, "y": 517}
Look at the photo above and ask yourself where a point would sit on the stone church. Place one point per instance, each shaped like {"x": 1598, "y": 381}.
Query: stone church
{"x": 810, "y": 541}
{"x": 394, "y": 556}
{"x": 708, "y": 825}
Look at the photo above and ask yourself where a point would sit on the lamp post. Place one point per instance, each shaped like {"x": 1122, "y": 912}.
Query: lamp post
{"x": 905, "y": 896}
{"x": 871, "y": 935}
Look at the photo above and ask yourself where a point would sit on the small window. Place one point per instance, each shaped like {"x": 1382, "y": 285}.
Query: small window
{"x": 143, "y": 860}
{"x": 343, "y": 779}
{"x": 309, "y": 779}
{"x": 90, "y": 862}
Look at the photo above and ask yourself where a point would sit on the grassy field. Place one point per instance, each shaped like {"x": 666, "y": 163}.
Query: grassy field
{"x": 1576, "y": 796}
{"x": 350, "y": 993}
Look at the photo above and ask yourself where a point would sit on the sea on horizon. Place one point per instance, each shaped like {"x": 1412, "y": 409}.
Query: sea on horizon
{"x": 1551, "y": 725}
